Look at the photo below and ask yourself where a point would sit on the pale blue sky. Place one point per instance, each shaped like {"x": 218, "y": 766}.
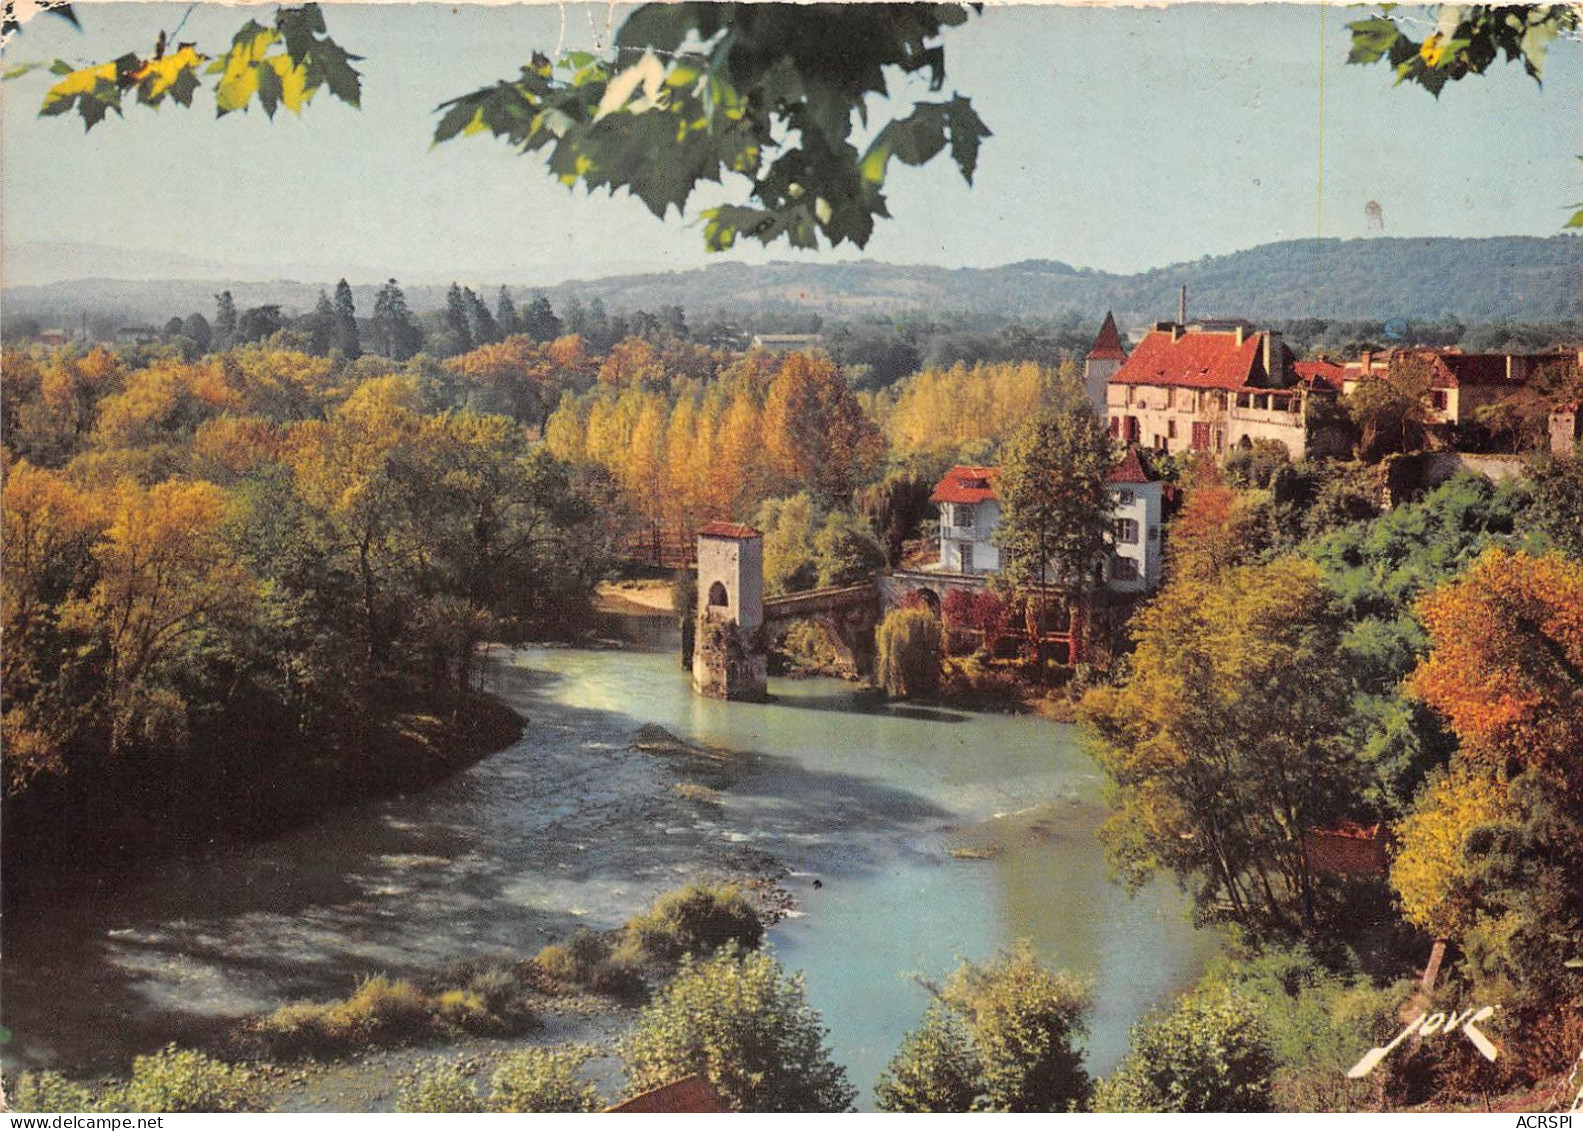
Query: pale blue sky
{"x": 1124, "y": 139}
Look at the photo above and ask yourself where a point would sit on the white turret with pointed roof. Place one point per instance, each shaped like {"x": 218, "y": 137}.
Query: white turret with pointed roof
{"x": 1104, "y": 359}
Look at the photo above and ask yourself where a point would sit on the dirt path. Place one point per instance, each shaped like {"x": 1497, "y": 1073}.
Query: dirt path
{"x": 649, "y": 596}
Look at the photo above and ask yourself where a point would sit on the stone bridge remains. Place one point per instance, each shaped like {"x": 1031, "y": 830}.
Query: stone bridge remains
{"x": 735, "y": 622}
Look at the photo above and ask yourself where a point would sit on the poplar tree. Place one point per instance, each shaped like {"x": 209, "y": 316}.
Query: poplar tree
{"x": 506, "y": 319}
{"x": 224, "y": 321}
{"x": 343, "y": 335}
{"x": 480, "y": 323}
{"x": 321, "y": 327}
{"x": 539, "y": 321}
{"x": 456, "y": 320}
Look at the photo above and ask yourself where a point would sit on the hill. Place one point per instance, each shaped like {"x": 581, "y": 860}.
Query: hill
{"x": 1517, "y": 278}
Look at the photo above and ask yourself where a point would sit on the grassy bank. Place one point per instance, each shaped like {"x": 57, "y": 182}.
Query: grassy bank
{"x": 159, "y": 803}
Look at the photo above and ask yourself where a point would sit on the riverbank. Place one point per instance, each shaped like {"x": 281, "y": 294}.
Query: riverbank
{"x": 636, "y": 598}
{"x": 57, "y": 839}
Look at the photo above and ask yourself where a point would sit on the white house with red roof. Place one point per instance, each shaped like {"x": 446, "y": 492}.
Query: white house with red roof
{"x": 1137, "y": 496}
{"x": 1211, "y": 385}
{"x": 970, "y": 513}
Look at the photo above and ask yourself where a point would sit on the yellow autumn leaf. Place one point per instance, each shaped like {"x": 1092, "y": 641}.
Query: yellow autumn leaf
{"x": 164, "y": 72}
{"x": 84, "y": 81}
{"x": 1433, "y": 49}
{"x": 240, "y": 80}
{"x": 294, "y": 92}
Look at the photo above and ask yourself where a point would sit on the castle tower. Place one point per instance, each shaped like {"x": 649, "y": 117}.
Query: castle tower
{"x": 1102, "y": 362}
{"x": 728, "y": 650}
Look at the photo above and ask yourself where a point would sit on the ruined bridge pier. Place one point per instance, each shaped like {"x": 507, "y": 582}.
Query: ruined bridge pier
{"x": 735, "y": 623}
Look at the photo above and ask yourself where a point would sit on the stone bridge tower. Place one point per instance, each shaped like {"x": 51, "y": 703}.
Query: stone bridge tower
{"x": 728, "y": 650}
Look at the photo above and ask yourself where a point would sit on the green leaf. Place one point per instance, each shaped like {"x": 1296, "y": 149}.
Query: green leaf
{"x": 19, "y": 70}
{"x": 268, "y": 90}
{"x": 462, "y": 114}
{"x": 1371, "y": 39}
{"x": 333, "y": 65}
{"x": 968, "y": 132}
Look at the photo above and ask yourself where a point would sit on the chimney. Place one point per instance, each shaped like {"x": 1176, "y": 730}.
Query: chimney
{"x": 1367, "y": 362}
{"x": 1241, "y": 334}
{"x": 1273, "y": 358}
{"x": 1181, "y": 306}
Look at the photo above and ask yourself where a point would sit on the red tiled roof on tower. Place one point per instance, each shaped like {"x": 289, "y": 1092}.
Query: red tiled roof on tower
{"x": 1130, "y": 469}
{"x": 966, "y": 485}
{"x": 1197, "y": 359}
{"x": 728, "y": 530}
{"x": 1107, "y": 347}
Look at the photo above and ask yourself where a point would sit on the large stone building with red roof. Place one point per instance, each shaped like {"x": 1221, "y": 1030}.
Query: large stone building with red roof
{"x": 1460, "y": 383}
{"x": 1209, "y": 386}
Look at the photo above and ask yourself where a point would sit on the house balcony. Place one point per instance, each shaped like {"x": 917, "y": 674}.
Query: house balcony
{"x": 964, "y": 534}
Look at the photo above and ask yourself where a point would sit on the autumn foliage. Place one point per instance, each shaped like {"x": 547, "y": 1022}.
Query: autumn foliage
{"x": 1507, "y": 663}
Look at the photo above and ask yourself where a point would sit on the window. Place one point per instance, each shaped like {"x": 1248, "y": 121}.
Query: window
{"x": 1200, "y": 436}
{"x": 1130, "y": 430}
{"x": 1170, "y": 396}
{"x": 1127, "y": 531}
{"x": 1170, "y": 428}
{"x": 1437, "y": 398}
{"x": 966, "y": 550}
{"x": 964, "y": 516}
{"x": 1124, "y": 569}
{"x": 1125, "y": 498}
{"x": 1115, "y": 426}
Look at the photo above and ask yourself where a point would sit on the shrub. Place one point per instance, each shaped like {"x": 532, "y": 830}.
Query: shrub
{"x": 984, "y": 613}
{"x": 805, "y": 646}
{"x": 586, "y": 960}
{"x": 1023, "y": 1019}
{"x": 1257, "y": 467}
{"x": 461, "y": 1009}
{"x": 1210, "y": 1053}
{"x": 386, "y": 1012}
{"x": 933, "y": 1071}
{"x": 846, "y": 551}
{"x": 183, "y": 1080}
{"x": 381, "y": 1011}
{"x": 542, "y": 1080}
{"x": 737, "y": 1019}
{"x": 442, "y": 1089}
{"x": 696, "y": 920}
{"x": 910, "y": 646}
{"x": 50, "y": 1092}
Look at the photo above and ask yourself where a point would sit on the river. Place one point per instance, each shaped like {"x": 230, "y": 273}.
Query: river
{"x": 863, "y": 802}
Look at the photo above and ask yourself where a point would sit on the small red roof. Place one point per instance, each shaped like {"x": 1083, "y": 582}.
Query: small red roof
{"x": 1321, "y": 374}
{"x": 1130, "y": 469}
{"x": 1453, "y": 370}
{"x": 728, "y": 530}
{"x": 1200, "y": 359}
{"x": 966, "y": 485}
{"x": 691, "y": 1094}
{"x": 1107, "y": 347}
